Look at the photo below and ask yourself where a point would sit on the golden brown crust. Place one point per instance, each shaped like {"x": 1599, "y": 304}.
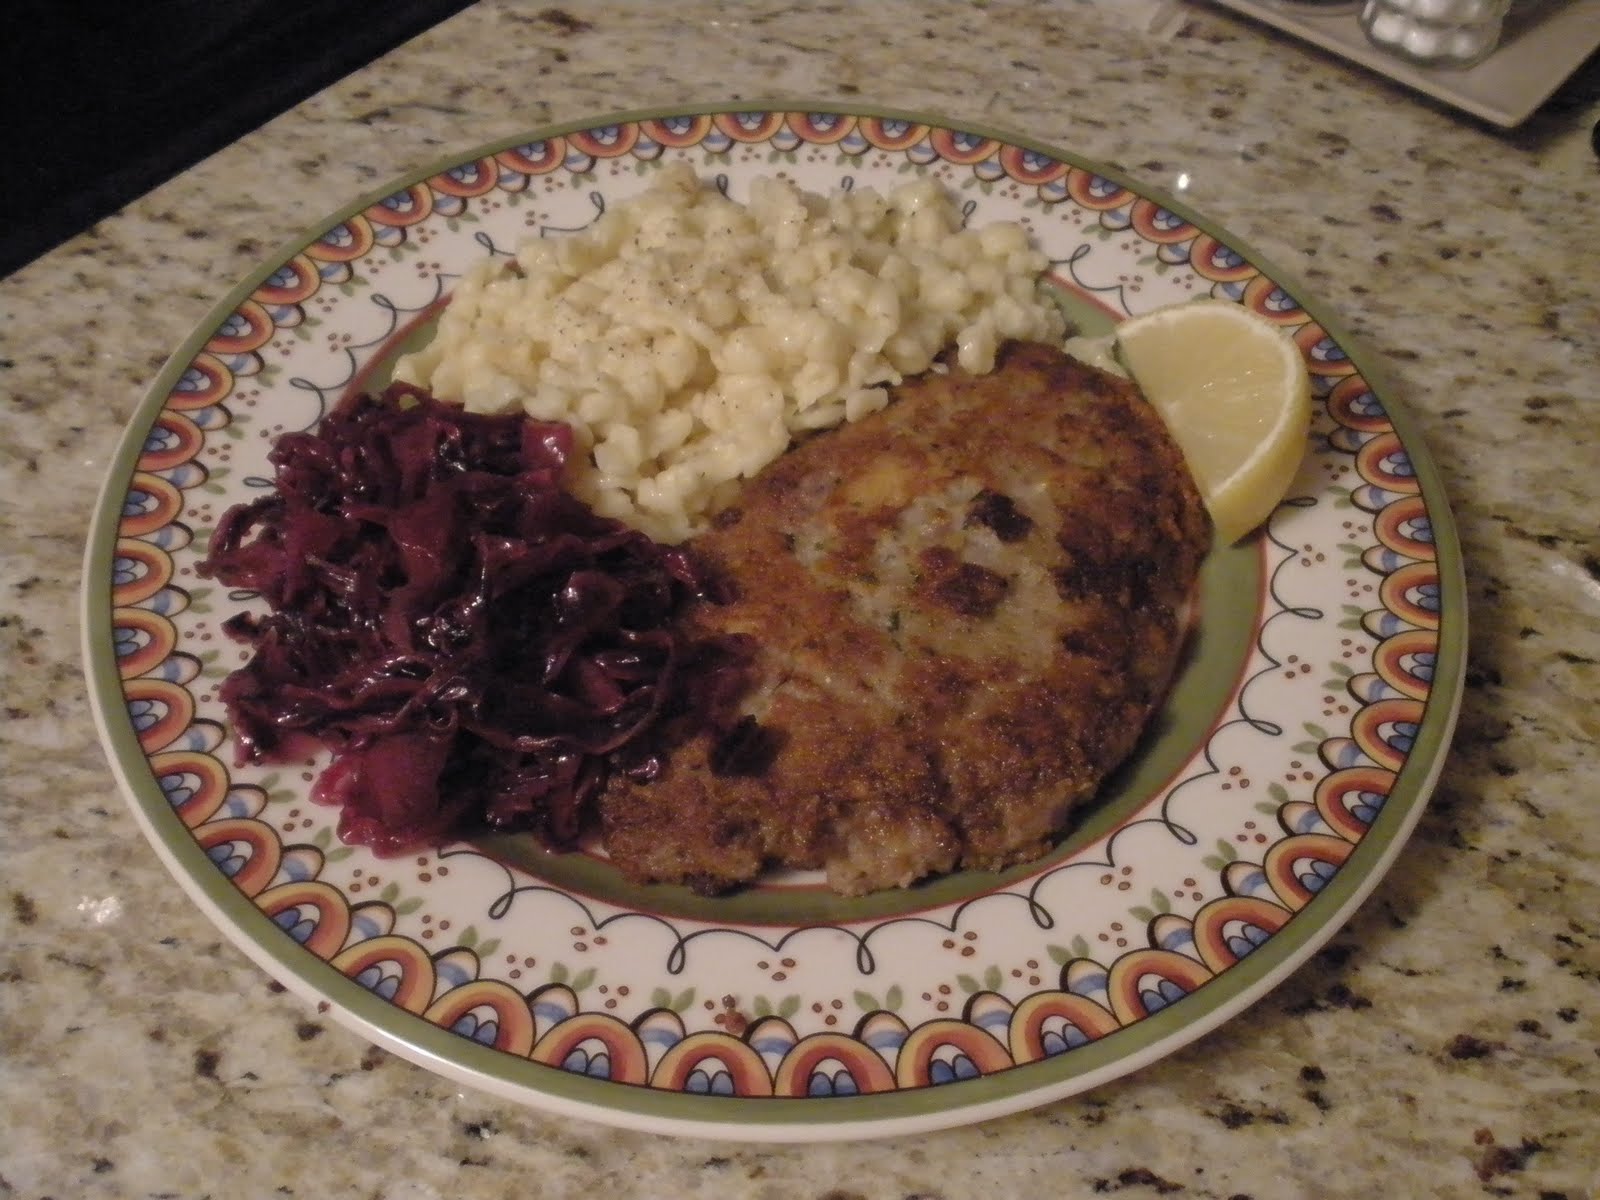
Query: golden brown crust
{"x": 966, "y": 608}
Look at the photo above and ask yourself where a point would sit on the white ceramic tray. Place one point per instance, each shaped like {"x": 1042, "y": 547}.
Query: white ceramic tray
{"x": 1545, "y": 41}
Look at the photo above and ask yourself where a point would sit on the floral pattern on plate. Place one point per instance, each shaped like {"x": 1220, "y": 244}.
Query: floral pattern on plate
{"x": 1297, "y": 753}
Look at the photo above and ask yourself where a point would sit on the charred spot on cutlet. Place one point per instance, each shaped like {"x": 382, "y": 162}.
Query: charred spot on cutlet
{"x": 748, "y": 748}
{"x": 964, "y": 588}
{"x": 1083, "y": 643}
{"x": 998, "y": 513}
{"x": 1107, "y": 562}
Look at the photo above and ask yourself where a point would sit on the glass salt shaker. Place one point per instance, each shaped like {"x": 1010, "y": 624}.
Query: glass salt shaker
{"x": 1436, "y": 33}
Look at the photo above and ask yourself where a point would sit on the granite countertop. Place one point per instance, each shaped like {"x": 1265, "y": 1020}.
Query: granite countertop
{"x": 1445, "y": 1043}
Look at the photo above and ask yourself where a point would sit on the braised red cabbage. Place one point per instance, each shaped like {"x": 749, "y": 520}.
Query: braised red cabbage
{"x": 476, "y": 646}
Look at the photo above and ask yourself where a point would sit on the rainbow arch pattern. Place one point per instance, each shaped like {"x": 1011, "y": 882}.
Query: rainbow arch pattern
{"x": 1088, "y": 999}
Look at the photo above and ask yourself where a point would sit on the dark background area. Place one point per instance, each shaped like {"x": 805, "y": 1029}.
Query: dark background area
{"x": 103, "y": 101}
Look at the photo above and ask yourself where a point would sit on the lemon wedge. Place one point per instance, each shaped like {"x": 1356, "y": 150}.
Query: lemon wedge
{"x": 1234, "y": 391}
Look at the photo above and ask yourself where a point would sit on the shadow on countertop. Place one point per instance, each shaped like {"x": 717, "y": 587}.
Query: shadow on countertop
{"x": 104, "y": 102}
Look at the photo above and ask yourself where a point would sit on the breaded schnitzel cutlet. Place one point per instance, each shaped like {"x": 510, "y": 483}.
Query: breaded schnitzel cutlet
{"x": 963, "y": 608}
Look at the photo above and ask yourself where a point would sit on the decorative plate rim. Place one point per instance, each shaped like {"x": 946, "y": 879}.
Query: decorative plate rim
{"x": 766, "y": 1119}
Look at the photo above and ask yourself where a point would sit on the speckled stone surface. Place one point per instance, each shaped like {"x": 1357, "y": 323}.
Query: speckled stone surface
{"x": 1446, "y": 1043}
